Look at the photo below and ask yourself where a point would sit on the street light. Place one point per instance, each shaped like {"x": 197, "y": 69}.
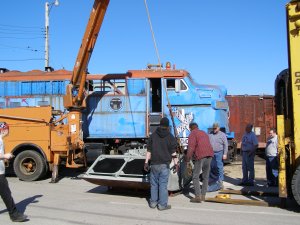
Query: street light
{"x": 48, "y": 7}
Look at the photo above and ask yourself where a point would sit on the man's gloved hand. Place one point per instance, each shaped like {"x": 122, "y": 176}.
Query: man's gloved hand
{"x": 146, "y": 167}
{"x": 189, "y": 169}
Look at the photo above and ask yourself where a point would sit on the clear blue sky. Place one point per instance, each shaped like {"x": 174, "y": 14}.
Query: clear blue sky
{"x": 240, "y": 44}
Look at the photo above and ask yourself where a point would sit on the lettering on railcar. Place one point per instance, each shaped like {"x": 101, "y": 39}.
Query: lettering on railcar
{"x": 297, "y": 81}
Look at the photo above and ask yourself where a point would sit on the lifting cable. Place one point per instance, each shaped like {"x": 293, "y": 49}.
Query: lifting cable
{"x": 152, "y": 33}
{"x": 164, "y": 82}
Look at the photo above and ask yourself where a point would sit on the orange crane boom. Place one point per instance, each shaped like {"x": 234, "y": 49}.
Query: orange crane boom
{"x": 78, "y": 80}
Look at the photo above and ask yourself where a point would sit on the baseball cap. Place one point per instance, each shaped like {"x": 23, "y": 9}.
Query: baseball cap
{"x": 216, "y": 125}
{"x": 193, "y": 124}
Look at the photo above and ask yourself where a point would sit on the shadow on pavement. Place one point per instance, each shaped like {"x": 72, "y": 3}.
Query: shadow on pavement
{"x": 120, "y": 191}
{"x": 24, "y": 203}
{"x": 21, "y": 206}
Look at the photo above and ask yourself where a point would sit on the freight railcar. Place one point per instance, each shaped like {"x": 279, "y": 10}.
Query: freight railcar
{"x": 256, "y": 109}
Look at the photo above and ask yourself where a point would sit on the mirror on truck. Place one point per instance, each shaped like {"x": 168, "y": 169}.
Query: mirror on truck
{"x": 177, "y": 85}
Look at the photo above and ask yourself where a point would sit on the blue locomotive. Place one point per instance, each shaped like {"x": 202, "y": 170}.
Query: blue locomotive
{"x": 122, "y": 110}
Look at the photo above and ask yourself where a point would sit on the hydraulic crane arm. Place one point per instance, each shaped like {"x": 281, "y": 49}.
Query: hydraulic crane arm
{"x": 75, "y": 90}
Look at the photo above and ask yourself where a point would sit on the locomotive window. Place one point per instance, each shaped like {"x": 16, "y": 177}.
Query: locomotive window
{"x": 110, "y": 87}
{"x": 121, "y": 88}
{"x": 101, "y": 88}
{"x": 106, "y": 88}
{"x": 170, "y": 84}
{"x": 183, "y": 86}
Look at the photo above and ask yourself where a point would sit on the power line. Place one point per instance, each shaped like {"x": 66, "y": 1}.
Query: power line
{"x": 23, "y": 27}
{"x": 19, "y": 29}
{"x": 13, "y": 60}
{"x": 24, "y": 37}
{"x": 28, "y": 48}
{"x": 21, "y": 32}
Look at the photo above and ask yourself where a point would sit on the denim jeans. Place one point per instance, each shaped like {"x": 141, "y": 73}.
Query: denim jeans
{"x": 272, "y": 170}
{"x": 214, "y": 187}
{"x": 214, "y": 172}
{"x": 159, "y": 176}
{"x": 248, "y": 167}
{"x": 218, "y": 157}
{"x": 204, "y": 166}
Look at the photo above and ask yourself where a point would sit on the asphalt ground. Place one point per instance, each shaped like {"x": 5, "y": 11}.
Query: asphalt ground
{"x": 75, "y": 201}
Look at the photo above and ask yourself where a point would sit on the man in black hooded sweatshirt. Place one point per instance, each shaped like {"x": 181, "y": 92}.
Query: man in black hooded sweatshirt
{"x": 161, "y": 149}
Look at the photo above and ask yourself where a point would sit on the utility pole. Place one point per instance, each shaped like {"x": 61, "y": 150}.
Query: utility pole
{"x": 48, "y": 7}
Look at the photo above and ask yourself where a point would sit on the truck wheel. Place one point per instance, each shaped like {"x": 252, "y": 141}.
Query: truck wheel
{"x": 29, "y": 166}
{"x": 296, "y": 185}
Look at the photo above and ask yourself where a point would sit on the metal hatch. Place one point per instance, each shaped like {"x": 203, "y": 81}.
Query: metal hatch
{"x": 120, "y": 170}
{"x": 127, "y": 171}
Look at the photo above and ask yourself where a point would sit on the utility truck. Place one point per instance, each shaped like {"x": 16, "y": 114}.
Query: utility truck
{"x": 40, "y": 137}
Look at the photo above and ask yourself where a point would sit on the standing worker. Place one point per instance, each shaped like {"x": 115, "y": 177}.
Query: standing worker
{"x": 271, "y": 159}
{"x": 199, "y": 149}
{"x": 219, "y": 143}
{"x": 161, "y": 149}
{"x": 249, "y": 146}
{"x": 5, "y": 192}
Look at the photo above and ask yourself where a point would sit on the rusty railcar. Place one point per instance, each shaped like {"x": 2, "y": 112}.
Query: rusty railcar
{"x": 256, "y": 109}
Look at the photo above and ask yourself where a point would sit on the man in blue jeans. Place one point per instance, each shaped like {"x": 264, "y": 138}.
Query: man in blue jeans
{"x": 271, "y": 159}
{"x": 249, "y": 146}
{"x": 219, "y": 143}
{"x": 161, "y": 149}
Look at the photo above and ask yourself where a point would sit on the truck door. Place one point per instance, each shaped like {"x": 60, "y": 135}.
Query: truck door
{"x": 155, "y": 103}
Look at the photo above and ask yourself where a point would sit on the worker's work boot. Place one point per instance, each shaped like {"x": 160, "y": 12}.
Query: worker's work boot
{"x": 18, "y": 217}
{"x": 164, "y": 208}
{"x": 197, "y": 199}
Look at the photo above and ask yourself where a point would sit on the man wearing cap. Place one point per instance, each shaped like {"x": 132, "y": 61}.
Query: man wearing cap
{"x": 161, "y": 150}
{"x": 199, "y": 149}
{"x": 249, "y": 146}
{"x": 219, "y": 143}
{"x": 5, "y": 192}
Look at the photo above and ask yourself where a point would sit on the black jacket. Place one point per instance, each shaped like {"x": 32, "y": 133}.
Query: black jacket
{"x": 162, "y": 145}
